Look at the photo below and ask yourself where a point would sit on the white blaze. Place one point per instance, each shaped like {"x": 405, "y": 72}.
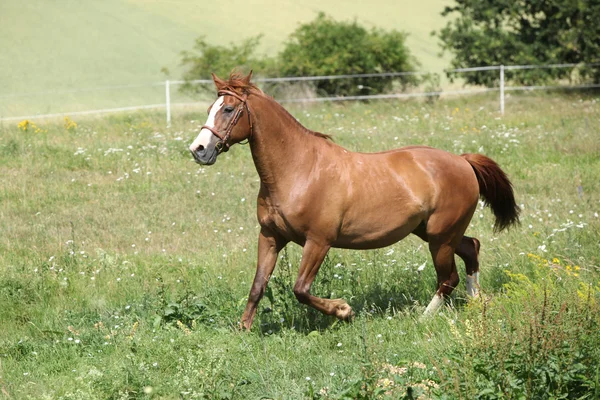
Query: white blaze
{"x": 205, "y": 137}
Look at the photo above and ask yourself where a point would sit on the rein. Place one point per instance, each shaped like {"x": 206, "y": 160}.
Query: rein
{"x": 223, "y": 145}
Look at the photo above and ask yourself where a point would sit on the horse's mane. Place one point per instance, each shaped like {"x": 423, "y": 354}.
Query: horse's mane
{"x": 238, "y": 84}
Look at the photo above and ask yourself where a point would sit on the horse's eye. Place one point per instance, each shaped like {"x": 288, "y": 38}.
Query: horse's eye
{"x": 228, "y": 109}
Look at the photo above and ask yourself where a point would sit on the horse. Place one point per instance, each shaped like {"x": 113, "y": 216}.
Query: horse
{"x": 320, "y": 195}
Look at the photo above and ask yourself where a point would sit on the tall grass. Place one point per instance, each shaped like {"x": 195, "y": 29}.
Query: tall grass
{"x": 125, "y": 266}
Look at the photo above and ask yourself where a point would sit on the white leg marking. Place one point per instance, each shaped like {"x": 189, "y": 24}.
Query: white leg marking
{"x": 206, "y": 137}
{"x": 473, "y": 285}
{"x": 434, "y": 305}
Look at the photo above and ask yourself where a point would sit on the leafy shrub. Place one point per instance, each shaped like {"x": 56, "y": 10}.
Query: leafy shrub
{"x": 539, "y": 341}
{"x": 221, "y": 60}
{"x": 320, "y": 47}
{"x": 328, "y": 47}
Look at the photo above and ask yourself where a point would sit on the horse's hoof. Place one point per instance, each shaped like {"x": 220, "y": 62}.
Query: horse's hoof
{"x": 344, "y": 312}
{"x": 244, "y": 327}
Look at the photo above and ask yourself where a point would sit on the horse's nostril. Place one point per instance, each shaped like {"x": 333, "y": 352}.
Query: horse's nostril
{"x": 200, "y": 148}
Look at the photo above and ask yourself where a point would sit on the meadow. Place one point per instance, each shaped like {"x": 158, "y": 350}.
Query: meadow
{"x": 125, "y": 266}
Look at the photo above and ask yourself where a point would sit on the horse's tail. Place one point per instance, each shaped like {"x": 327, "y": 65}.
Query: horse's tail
{"x": 496, "y": 190}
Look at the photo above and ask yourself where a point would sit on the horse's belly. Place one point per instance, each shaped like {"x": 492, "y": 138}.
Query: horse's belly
{"x": 370, "y": 233}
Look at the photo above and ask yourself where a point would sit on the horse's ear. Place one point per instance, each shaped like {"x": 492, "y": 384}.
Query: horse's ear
{"x": 247, "y": 79}
{"x": 219, "y": 83}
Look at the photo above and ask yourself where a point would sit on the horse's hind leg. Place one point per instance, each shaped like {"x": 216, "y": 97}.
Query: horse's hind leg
{"x": 447, "y": 276}
{"x": 468, "y": 250}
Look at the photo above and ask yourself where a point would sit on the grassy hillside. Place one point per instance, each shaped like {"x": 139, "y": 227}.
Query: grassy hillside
{"x": 125, "y": 266}
{"x": 70, "y": 45}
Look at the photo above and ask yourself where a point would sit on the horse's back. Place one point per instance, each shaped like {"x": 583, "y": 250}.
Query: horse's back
{"x": 384, "y": 196}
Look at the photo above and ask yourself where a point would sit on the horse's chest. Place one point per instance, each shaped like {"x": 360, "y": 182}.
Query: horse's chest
{"x": 281, "y": 219}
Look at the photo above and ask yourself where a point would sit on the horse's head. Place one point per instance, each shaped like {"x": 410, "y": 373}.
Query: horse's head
{"x": 228, "y": 122}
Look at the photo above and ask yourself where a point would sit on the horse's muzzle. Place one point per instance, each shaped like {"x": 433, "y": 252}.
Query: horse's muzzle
{"x": 205, "y": 156}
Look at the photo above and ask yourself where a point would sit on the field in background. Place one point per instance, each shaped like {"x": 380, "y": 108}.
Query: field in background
{"x": 125, "y": 266}
{"x": 69, "y": 45}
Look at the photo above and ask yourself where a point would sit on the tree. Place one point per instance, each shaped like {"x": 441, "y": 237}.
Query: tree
{"x": 328, "y": 47}
{"x": 495, "y": 32}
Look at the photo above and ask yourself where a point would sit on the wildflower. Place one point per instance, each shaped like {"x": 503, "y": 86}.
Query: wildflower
{"x": 24, "y": 125}
{"x": 133, "y": 329}
{"x": 72, "y": 330}
{"x": 69, "y": 124}
{"x": 184, "y": 328}
{"x": 394, "y": 369}
{"x": 385, "y": 383}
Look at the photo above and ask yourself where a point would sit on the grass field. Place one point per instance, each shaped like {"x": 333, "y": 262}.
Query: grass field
{"x": 125, "y": 266}
{"x": 71, "y": 45}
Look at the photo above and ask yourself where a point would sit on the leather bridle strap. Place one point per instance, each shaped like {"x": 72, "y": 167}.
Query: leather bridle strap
{"x": 223, "y": 144}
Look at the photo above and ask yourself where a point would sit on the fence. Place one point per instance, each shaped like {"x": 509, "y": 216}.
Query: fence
{"x": 168, "y": 84}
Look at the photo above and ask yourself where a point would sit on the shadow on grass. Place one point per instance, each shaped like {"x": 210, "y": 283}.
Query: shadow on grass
{"x": 376, "y": 291}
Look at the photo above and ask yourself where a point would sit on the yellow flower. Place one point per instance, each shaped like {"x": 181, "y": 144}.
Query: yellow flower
{"x": 69, "y": 124}
{"x": 568, "y": 268}
{"x": 24, "y": 125}
{"x": 577, "y": 268}
{"x": 133, "y": 329}
{"x": 184, "y": 328}
{"x": 556, "y": 260}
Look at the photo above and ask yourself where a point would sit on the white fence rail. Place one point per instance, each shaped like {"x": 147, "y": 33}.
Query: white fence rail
{"x": 168, "y": 84}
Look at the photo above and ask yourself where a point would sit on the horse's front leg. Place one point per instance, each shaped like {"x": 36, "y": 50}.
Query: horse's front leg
{"x": 269, "y": 246}
{"x": 313, "y": 255}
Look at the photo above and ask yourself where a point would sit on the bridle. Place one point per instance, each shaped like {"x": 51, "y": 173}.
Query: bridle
{"x": 223, "y": 145}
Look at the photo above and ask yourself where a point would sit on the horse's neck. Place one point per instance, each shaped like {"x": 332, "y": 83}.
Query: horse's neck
{"x": 280, "y": 145}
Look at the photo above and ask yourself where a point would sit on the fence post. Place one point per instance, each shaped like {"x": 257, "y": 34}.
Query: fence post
{"x": 168, "y": 102}
{"x": 502, "y": 89}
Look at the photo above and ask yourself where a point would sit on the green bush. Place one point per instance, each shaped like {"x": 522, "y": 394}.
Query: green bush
{"x": 538, "y": 341}
{"x": 328, "y": 47}
{"x": 206, "y": 59}
{"x": 320, "y": 47}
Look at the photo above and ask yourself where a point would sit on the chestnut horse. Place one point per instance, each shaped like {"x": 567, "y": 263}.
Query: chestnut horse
{"x": 319, "y": 195}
